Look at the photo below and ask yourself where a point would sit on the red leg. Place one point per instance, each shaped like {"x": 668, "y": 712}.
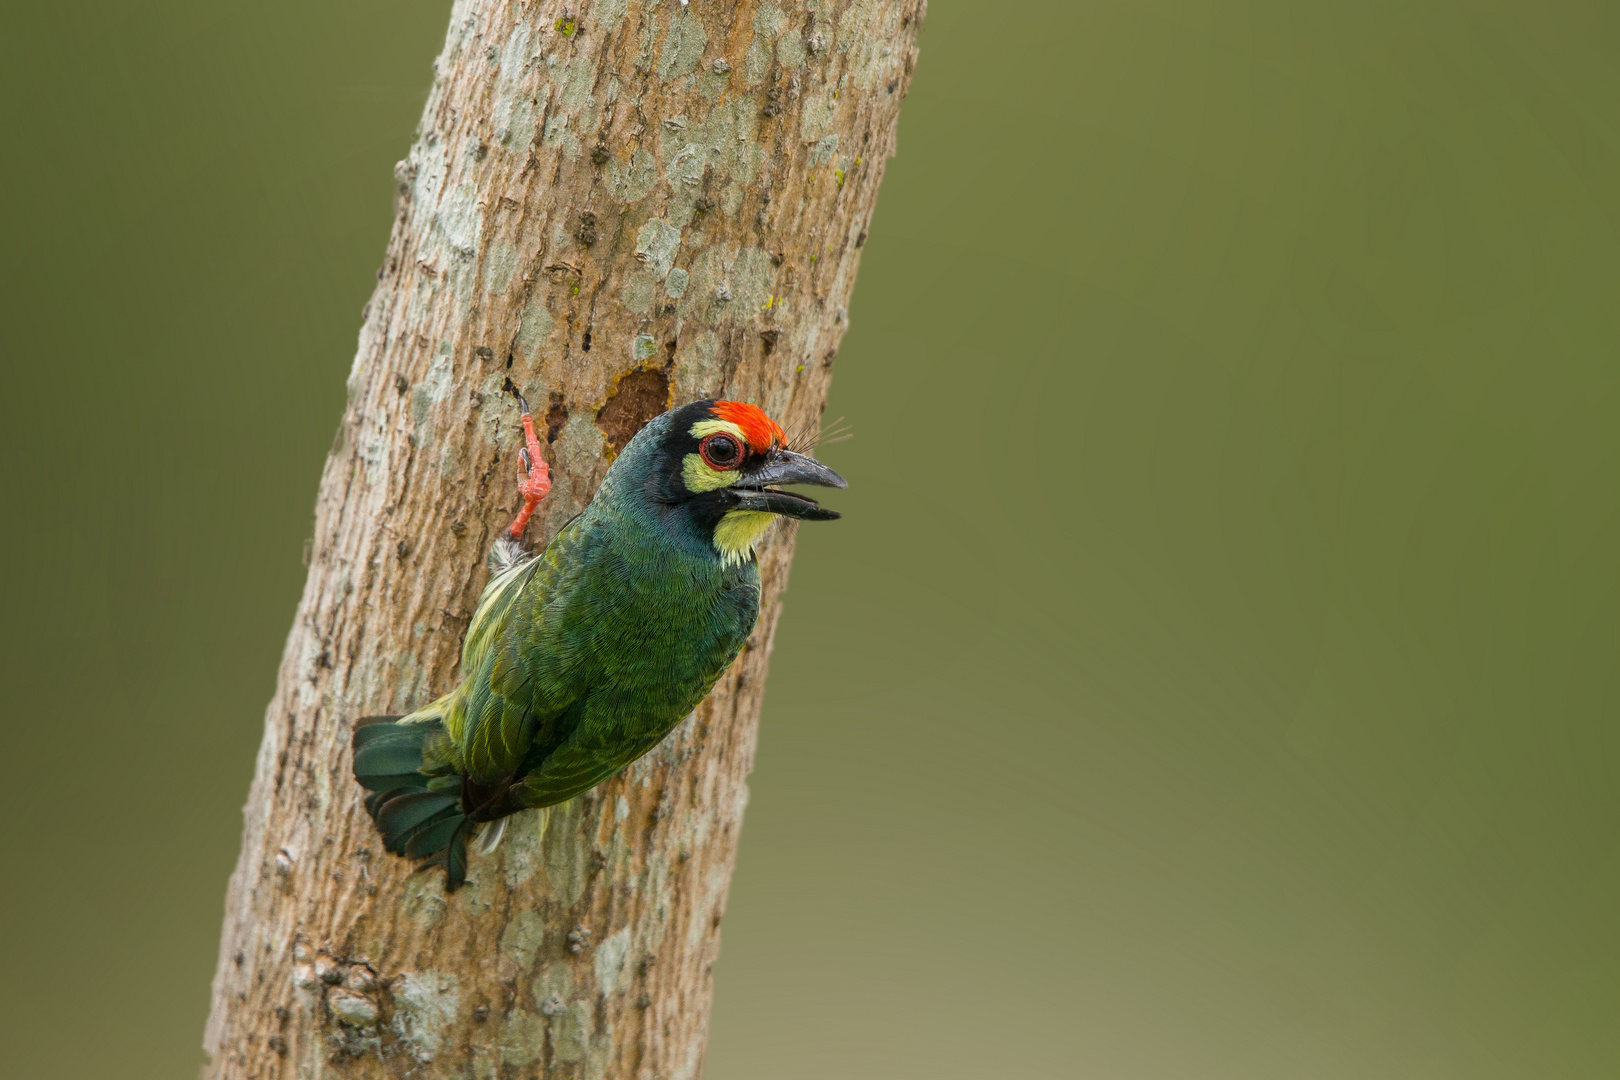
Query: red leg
{"x": 538, "y": 482}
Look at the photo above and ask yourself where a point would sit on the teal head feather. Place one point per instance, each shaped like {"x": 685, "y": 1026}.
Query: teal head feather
{"x": 707, "y": 475}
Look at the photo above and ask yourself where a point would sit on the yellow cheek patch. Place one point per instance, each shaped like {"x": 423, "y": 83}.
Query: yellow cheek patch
{"x": 738, "y": 532}
{"x": 699, "y": 477}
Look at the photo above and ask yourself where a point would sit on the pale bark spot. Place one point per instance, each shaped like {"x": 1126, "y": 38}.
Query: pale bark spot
{"x": 683, "y": 47}
{"x": 533, "y": 329}
{"x": 656, "y": 244}
{"x": 425, "y": 1006}
{"x": 609, "y": 960}
{"x": 790, "y": 52}
{"x": 523, "y": 937}
{"x": 631, "y": 182}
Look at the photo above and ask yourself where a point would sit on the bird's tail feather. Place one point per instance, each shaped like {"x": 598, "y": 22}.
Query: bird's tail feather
{"x": 489, "y": 836}
{"x": 415, "y": 802}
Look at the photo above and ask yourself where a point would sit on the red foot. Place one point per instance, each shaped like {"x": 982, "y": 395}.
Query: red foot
{"x": 537, "y": 484}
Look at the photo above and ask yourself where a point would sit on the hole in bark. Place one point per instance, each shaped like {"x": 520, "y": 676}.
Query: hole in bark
{"x": 586, "y": 344}
{"x": 638, "y": 397}
{"x": 556, "y": 416}
{"x": 768, "y": 339}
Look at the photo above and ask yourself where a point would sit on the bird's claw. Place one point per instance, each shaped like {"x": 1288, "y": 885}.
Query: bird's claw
{"x": 534, "y": 482}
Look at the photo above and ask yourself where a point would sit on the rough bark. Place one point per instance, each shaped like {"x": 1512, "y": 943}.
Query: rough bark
{"x": 621, "y": 206}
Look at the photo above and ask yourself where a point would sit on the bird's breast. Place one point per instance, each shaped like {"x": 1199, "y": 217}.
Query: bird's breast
{"x": 671, "y": 629}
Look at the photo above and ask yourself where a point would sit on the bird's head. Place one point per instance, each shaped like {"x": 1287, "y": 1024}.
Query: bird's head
{"x": 718, "y": 467}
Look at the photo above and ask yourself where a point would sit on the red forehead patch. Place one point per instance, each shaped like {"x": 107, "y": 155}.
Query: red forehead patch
{"x": 760, "y": 430}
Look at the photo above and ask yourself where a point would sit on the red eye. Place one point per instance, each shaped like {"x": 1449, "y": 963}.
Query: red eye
{"x": 721, "y": 452}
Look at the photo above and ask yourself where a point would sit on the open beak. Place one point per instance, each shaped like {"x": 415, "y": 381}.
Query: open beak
{"x": 758, "y": 490}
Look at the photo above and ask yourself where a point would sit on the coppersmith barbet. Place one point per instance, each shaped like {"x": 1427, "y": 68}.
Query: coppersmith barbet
{"x": 581, "y": 659}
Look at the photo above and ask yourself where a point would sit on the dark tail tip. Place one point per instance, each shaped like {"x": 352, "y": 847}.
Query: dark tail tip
{"x": 452, "y": 856}
{"x": 417, "y": 815}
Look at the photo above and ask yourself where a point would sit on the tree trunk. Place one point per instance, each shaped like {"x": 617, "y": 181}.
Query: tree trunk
{"x": 623, "y": 207}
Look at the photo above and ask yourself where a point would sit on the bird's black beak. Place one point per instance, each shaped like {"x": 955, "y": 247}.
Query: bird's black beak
{"x": 757, "y": 490}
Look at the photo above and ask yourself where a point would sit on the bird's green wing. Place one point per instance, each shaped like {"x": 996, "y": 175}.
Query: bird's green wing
{"x": 494, "y": 605}
{"x": 601, "y": 735}
{"x": 505, "y": 695}
{"x": 588, "y": 756}
{"x": 632, "y": 693}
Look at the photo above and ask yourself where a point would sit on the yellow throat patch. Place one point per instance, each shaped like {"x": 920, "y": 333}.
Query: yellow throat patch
{"x": 738, "y": 532}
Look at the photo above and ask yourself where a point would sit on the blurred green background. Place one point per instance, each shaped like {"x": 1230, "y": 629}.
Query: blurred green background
{"x": 1215, "y": 674}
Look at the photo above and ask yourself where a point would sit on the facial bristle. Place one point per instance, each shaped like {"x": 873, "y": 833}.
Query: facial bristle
{"x": 760, "y": 430}
{"x": 810, "y": 437}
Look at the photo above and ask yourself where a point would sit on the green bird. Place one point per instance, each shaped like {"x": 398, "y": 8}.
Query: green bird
{"x": 581, "y": 659}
